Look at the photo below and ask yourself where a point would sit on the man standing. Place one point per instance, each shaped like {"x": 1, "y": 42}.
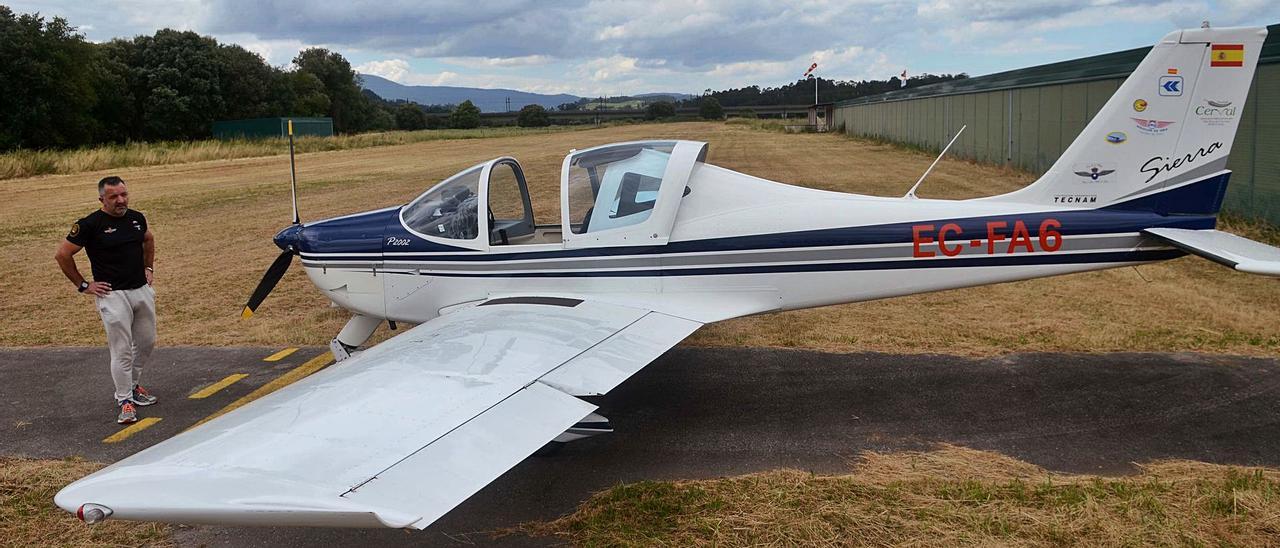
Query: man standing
{"x": 121, "y": 253}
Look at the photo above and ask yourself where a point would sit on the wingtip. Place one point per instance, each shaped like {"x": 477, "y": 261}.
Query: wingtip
{"x": 246, "y": 313}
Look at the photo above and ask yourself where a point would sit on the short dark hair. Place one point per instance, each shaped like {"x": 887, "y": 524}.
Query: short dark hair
{"x": 109, "y": 181}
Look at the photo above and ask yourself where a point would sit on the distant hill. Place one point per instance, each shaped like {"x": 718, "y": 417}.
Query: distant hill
{"x": 489, "y": 100}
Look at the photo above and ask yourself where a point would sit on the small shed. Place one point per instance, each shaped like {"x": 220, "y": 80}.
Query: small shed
{"x": 820, "y": 116}
{"x": 262, "y": 128}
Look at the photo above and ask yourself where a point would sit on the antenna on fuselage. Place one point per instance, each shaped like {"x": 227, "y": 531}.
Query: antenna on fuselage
{"x": 911, "y": 194}
{"x": 293, "y": 176}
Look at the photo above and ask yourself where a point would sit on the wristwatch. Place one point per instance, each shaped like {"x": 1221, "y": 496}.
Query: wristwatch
{"x": 83, "y": 286}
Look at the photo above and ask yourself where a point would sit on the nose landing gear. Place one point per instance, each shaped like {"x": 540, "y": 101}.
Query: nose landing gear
{"x": 358, "y": 330}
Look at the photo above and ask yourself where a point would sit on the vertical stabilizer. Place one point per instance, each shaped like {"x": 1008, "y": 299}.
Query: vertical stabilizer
{"x": 1171, "y": 123}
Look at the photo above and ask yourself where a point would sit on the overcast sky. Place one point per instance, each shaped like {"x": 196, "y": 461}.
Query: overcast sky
{"x": 614, "y": 47}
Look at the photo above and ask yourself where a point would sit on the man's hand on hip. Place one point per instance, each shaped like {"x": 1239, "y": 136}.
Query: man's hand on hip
{"x": 98, "y": 289}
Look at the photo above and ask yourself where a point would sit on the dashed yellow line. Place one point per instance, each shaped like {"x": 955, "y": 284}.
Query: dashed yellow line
{"x": 131, "y": 430}
{"x": 215, "y": 387}
{"x": 280, "y": 355}
{"x": 294, "y": 375}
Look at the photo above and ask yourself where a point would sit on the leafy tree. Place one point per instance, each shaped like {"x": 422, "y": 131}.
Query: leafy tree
{"x": 350, "y": 110}
{"x": 709, "y": 109}
{"x": 410, "y": 117}
{"x": 303, "y": 95}
{"x": 50, "y": 83}
{"x": 465, "y": 116}
{"x": 659, "y": 109}
{"x": 533, "y": 116}
{"x": 380, "y": 120}
{"x": 437, "y": 122}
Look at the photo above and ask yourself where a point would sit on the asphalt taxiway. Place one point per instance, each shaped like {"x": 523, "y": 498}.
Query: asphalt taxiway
{"x": 698, "y": 413}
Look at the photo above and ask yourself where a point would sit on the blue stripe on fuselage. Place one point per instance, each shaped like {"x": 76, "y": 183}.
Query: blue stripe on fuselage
{"x": 978, "y": 261}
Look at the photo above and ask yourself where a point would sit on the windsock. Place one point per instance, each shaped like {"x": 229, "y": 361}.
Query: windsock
{"x": 810, "y": 71}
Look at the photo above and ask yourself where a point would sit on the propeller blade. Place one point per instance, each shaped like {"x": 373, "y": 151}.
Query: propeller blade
{"x": 269, "y": 280}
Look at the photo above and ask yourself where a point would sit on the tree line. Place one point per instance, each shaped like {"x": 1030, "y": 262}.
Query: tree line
{"x": 800, "y": 92}
{"x": 65, "y": 91}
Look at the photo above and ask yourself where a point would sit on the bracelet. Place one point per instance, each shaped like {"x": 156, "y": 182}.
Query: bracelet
{"x": 149, "y": 269}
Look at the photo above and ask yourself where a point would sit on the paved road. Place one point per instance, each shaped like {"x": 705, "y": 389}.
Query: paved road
{"x": 704, "y": 413}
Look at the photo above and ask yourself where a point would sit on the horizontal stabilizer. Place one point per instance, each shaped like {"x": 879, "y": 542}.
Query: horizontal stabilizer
{"x": 1228, "y": 249}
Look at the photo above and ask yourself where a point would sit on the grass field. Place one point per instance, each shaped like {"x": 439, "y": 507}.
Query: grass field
{"x": 949, "y": 497}
{"x": 27, "y": 163}
{"x": 214, "y": 221}
{"x": 29, "y": 518}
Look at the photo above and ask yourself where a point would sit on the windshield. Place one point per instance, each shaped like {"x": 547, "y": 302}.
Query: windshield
{"x": 448, "y": 210}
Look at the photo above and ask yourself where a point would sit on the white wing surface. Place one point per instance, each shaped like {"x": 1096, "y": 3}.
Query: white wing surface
{"x": 398, "y": 435}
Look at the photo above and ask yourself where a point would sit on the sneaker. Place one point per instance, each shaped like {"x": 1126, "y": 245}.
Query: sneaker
{"x": 127, "y": 413}
{"x": 141, "y": 397}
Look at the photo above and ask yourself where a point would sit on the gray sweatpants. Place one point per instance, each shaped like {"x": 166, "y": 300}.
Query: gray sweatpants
{"x": 130, "y": 318}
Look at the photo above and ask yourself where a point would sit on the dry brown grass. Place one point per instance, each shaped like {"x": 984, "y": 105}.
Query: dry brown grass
{"x": 29, "y": 518}
{"x": 28, "y": 163}
{"x": 214, "y": 221}
{"x": 952, "y": 496}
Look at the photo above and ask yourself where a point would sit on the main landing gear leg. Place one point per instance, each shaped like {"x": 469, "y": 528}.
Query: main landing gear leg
{"x": 355, "y": 333}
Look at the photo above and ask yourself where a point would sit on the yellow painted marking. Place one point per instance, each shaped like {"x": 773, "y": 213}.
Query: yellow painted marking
{"x": 244, "y": 314}
{"x": 131, "y": 430}
{"x": 294, "y": 375}
{"x": 215, "y": 387}
{"x": 280, "y": 355}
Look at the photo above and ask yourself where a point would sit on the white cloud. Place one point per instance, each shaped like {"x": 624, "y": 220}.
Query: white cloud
{"x": 391, "y": 69}
{"x": 522, "y": 61}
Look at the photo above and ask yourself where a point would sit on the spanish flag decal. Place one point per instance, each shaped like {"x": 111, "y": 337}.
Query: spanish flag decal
{"x": 1226, "y": 55}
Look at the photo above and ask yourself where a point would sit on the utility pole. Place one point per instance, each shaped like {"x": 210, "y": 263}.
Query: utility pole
{"x": 508, "y": 104}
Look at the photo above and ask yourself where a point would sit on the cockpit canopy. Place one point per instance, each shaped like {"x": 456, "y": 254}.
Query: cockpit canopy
{"x": 612, "y": 195}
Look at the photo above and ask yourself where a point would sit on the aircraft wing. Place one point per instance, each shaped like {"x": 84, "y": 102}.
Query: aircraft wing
{"x": 398, "y": 435}
{"x": 1224, "y": 248}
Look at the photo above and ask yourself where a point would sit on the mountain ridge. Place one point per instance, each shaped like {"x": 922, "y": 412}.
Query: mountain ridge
{"x": 487, "y": 99}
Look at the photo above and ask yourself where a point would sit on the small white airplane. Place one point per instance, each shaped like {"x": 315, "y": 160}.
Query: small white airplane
{"x": 518, "y": 320}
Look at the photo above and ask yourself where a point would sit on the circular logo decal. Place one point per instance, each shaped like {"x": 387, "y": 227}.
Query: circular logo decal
{"x": 1140, "y": 105}
{"x": 75, "y": 229}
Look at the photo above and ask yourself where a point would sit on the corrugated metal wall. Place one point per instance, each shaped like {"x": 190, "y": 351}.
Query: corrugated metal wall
{"x": 1029, "y": 127}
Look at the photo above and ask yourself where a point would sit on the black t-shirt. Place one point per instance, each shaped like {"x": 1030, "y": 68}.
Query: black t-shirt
{"x": 114, "y": 245}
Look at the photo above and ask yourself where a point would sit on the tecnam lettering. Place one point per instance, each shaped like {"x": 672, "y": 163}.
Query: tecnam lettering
{"x": 1155, "y": 167}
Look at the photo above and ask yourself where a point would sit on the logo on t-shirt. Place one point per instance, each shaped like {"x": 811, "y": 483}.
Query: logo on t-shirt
{"x": 137, "y": 226}
{"x": 109, "y": 230}
{"x": 75, "y": 230}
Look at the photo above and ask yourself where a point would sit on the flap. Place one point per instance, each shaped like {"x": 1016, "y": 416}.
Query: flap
{"x": 606, "y": 365}
{"x": 432, "y": 481}
{"x": 1224, "y": 248}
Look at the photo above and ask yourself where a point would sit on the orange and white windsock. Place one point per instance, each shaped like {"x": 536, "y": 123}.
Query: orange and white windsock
{"x": 903, "y": 78}
{"x": 810, "y": 71}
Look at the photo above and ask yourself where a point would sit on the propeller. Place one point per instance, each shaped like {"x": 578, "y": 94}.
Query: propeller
{"x": 287, "y": 240}
{"x": 269, "y": 281}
